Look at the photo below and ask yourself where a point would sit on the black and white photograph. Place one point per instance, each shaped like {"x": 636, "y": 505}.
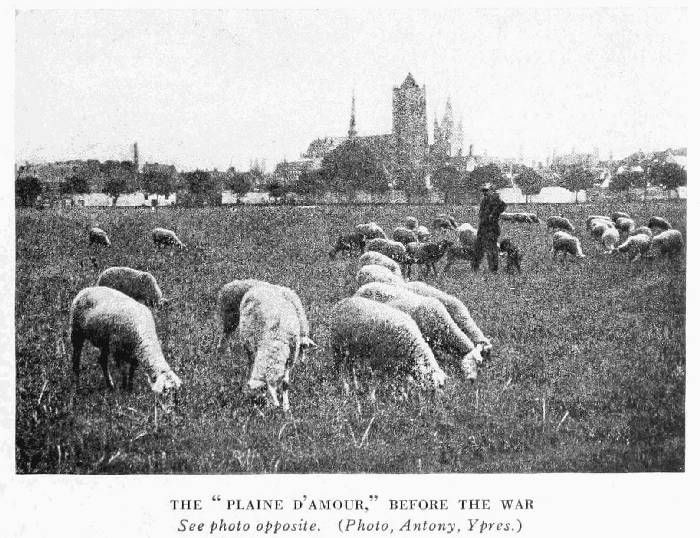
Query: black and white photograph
{"x": 349, "y": 242}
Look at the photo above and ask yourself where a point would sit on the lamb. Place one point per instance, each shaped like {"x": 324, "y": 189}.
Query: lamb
{"x": 642, "y": 230}
{"x": 230, "y": 297}
{"x": 411, "y": 223}
{"x": 370, "y": 230}
{"x": 422, "y": 233}
{"x": 609, "y": 238}
{"x": 404, "y": 235}
{"x": 624, "y": 224}
{"x": 635, "y": 246}
{"x": 619, "y": 214}
{"x": 377, "y": 273}
{"x": 98, "y": 236}
{"x": 566, "y": 244}
{"x": 383, "y": 338}
{"x": 559, "y": 223}
{"x": 435, "y": 323}
{"x": 139, "y": 285}
{"x": 513, "y": 255}
{"x": 347, "y": 243}
{"x": 118, "y": 325}
{"x": 659, "y": 222}
{"x": 393, "y": 249}
{"x": 270, "y": 330}
{"x": 459, "y": 312}
{"x": 666, "y": 244}
{"x": 427, "y": 255}
{"x": 377, "y": 258}
{"x": 164, "y": 237}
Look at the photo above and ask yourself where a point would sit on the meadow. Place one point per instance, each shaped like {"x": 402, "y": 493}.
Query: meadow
{"x": 588, "y": 369}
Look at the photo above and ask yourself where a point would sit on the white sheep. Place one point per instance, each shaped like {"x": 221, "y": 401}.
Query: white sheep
{"x": 566, "y": 244}
{"x": 230, "y": 297}
{"x": 377, "y": 258}
{"x": 598, "y": 227}
{"x": 422, "y": 233}
{"x": 635, "y": 246}
{"x": 270, "y": 331}
{"x": 385, "y": 339}
{"x": 377, "y": 273}
{"x": 370, "y": 230}
{"x": 625, "y": 224}
{"x": 433, "y": 320}
{"x": 466, "y": 234}
{"x": 164, "y": 237}
{"x": 659, "y": 222}
{"x": 395, "y": 250}
{"x": 666, "y": 244}
{"x": 98, "y": 236}
{"x": 557, "y": 222}
{"x": 591, "y": 218}
{"x": 139, "y": 285}
{"x": 118, "y": 325}
{"x": 404, "y": 235}
{"x": 609, "y": 239}
{"x": 457, "y": 309}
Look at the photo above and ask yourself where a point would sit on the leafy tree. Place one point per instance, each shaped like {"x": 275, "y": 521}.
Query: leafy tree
{"x": 668, "y": 176}
{"x": 114, "y": 185}
{"x": 489, "y": 173}
{"x": 310, "y": 182}
{"x": 76, "y": 184}
{"x": 203, "y": 187}
{"x": 276, "y": 190}
{"x": 577, "y": 178}
{"x": 530, "y": 182}
{"x": 240, "y": 182}
{"x": 27, "y": 190}
{"x": 156, "y": 182}
{"x": 353, "y": 166}
{"x": 451, "y": 181}
{"x": 624, "y": 181}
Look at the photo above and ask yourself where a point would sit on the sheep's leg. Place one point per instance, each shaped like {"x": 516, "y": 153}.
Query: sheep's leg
{"x": 104, "y": 363}
{"x": 449, "y": 262}
{"x": 285, "y": 391}
{"x": 77, "y": 342}
{"x": 273, "y": 394}
{"x": 130, "y": 381}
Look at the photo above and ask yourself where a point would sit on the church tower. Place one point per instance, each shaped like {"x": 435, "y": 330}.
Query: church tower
{"x": 410, "y": 131}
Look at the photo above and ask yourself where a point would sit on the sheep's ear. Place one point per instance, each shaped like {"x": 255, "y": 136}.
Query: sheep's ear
{"x": 308, "y": 344}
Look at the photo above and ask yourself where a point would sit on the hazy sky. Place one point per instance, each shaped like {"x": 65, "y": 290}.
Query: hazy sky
{"x": 214, "y": 88}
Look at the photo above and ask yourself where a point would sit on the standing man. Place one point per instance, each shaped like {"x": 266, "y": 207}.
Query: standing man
{"x": 487, "y": 235}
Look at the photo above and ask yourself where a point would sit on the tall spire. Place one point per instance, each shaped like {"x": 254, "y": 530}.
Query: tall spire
{"x": 352, "y": 131}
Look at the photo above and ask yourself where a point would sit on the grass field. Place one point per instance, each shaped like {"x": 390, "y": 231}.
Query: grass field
{"x": 596, "y": 341}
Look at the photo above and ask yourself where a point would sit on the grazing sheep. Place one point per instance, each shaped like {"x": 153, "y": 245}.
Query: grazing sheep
{"x": 513, "y": 255}
{"x": 404, "y": 235}
{"x": 659, "y": 222}
{"x": 427, "y": 255}
{"x": 520, "y": 217}
{"x": 459, "y": 312}
{"x": 270, "y": 331}
{"x": 602, "y": 218}
{"x": 139, "y": 285}
{"x": 624, "y": 224}
{"x": 457, "y": 251}
{"x": 118, "y": 325}
{"x": 609, "y": 239}
{"x": 411, "y": 223}
{"x": 642, "y": 230}
{"x": 435, "y": 323}
{"x": 230, "y": 297}
{"x": 376, "y": 335}
{"x": 566, "y": 244}
{"x": 98, "y": 236}
{"x": 466, "y": 233}
{"x": 635, "y": 246}
{"x": 422, "y": 233}
{"x": 598, "y": 227}
{"x": 559, "y": 223}
{"x": 347, "y": 243}
{"x": 377, "y": 258}
{"x": 377, "y": 273}
{"x": 666, "y": 244}
{"x": 395, "y": 250}
{"x": 163, "y": 237}
{"x": 619, "y": 214}
{"x": 370, "y": 230}
{"x": 444, "y": 222}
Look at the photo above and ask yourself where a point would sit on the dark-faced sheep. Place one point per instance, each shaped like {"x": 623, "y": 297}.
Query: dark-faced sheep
{"x": 659, "y": 223}
{"x": 347, "y": 243}
{"x": 559, "y": 223}
{"x": 404, "y": 235}
{"x": 97, "y": 236}
{"x": 566, "y": 244}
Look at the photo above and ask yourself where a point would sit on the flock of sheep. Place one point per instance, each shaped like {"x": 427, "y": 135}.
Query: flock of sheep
{"x": 391, "y": 326}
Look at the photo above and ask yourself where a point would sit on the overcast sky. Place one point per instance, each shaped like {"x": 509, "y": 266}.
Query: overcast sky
{"x": 218, "y": 88}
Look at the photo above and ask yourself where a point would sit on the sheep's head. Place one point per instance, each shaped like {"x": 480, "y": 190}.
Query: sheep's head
{"x": 165, "y": 382}
{"x": 470, "y": 366}
{"x": 306, "y": 346}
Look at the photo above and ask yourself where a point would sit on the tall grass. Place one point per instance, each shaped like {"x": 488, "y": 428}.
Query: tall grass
{"x": 588, "y": 371}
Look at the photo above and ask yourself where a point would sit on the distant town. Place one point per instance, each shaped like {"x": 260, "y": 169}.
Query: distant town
{"x": 396, "y": 167}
